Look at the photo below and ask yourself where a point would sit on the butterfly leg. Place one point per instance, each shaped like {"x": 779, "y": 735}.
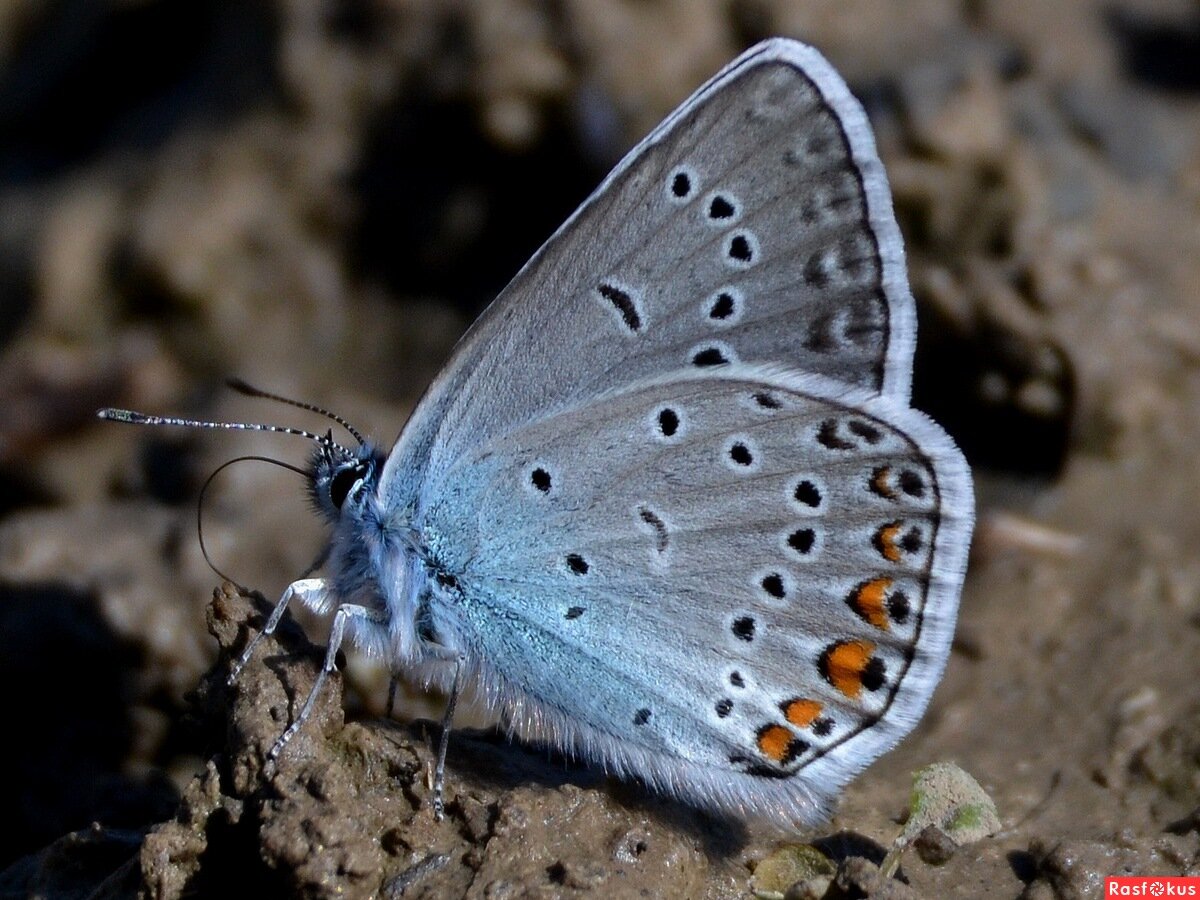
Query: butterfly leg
{"x": 336, "y": 634}
{"x": 309, "y": 590}
{"x": 439, "y": 772}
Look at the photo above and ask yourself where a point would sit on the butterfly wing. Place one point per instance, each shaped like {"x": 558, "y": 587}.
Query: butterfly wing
{"x": 739, "y": 584}
{"x": 754, "y": 224}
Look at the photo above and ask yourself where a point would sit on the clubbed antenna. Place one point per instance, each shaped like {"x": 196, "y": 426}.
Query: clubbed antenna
{"x": 136, "y": 418}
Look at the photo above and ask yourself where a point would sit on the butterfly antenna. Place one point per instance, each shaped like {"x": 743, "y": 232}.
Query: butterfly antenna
{"x": 136, "y": 418}
{"x": 251, "y": 391}
{"x": 200, "y": 507}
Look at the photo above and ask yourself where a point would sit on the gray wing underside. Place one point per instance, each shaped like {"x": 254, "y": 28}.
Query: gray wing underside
{"x": 754, "y": 224}
{"x": 739, "y": 586}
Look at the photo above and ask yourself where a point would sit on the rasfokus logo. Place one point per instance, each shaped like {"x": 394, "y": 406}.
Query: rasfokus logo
{"x": 1151, "y": 886}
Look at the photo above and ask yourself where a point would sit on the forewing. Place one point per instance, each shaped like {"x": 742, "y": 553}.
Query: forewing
{"x": 738, "y": 584}
{"x": 754, "y": 224}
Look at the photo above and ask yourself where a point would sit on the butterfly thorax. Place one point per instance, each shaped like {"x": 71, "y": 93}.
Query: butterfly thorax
{"x": 374, "y": 559}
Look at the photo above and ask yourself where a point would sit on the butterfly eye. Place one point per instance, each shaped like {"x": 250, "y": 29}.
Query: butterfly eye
{"x": 343, "y": 482}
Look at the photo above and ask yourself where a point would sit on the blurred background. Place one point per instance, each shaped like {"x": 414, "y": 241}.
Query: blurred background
{"x": 319, "y": 195}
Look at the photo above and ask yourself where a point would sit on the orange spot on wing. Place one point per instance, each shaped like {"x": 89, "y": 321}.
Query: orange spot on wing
{"x": 869, "y": 600}
{"x": 775, "y": 742}
{"x": 879, "y": 482}
{"x": 885, "y": 541}
{"x": 843, "y": 665}
{"x": 801, "y": 712}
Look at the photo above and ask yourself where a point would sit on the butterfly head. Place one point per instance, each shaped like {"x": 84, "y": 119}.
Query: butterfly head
{"x": 341, "y": 478}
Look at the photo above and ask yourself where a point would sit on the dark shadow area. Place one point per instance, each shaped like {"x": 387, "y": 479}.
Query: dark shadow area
{"x": 1160, "y": 54}
{"x": 169, "y": 468}
{"x": 231, "y": 865}
{"x": 1024, "y": 865}
{"x": 144, "y": 295}
{"x": 16, "y": 288}
{"x": 69, "y": 682}
{"x": 996, "y": 432}
{"x": 91, "y": 76}
{"x": 97, "y": 863}
{"x": 19, "y": 491}
{"x": 445, "y": 212}
{"x": 844, "y": 844}
{"x": 503, "y": 765}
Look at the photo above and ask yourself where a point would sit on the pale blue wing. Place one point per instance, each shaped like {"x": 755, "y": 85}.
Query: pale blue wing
{"x": 754, "y": 224}
{"x": 738, "y": 584}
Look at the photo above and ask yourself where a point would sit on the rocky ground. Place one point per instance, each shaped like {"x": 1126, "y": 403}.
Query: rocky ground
{"x": 318, "y": 197}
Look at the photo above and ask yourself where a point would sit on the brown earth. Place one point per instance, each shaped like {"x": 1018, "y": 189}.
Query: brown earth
{"x": 319, "y": 197}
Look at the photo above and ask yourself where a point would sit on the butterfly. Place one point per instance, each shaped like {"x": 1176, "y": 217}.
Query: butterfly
{"x": 667, "y": 507}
